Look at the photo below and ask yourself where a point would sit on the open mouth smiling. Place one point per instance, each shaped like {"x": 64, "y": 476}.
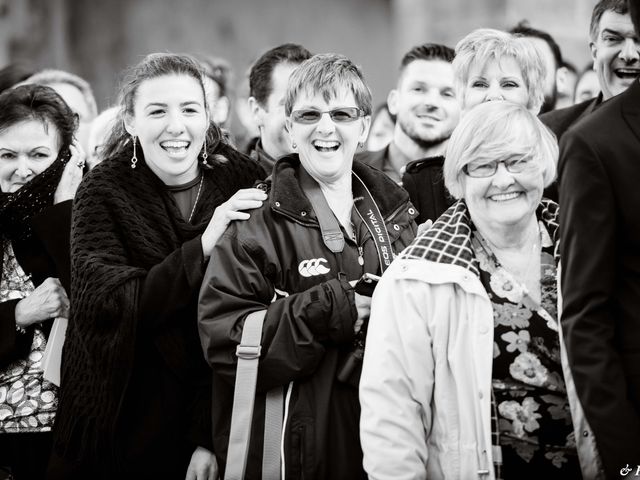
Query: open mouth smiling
{"x": 626, "y": 73}
{"x": 326, "y": 145}
{"x": 175, "y": 146}
{"x": 504, "y": 197}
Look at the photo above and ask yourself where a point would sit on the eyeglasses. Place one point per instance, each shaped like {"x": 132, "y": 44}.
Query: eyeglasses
{"x": 487, "y": 169}
{"x": 338, "y": 115}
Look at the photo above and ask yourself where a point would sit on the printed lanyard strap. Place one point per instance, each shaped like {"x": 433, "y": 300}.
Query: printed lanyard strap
{"x": 370, "y": 214}
{"x": 367, "y": 209}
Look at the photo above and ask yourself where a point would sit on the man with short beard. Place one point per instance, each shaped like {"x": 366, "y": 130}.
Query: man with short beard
{"x": 425, "y": 105}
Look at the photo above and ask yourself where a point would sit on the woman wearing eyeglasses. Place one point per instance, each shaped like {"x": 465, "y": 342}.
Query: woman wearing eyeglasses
{"x": 298, "y": 258}
{"x": 464, "y": 374}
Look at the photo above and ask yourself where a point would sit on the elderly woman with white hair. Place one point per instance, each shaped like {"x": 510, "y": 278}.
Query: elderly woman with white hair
{"x": 464, "y": 374}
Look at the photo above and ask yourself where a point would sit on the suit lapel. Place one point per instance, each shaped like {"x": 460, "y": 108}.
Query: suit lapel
{"x": 631, "y": 107}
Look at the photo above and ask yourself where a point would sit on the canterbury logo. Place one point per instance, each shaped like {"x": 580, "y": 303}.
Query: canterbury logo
{"x": 313, "y": 267}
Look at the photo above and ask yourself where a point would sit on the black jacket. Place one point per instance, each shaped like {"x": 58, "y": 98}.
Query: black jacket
{"x": 45, "y": 254}
{"x": 600, "y": 248}
{"x": 424, "y": 181}
{"x": 559, "y": 121}
{"x": 308, "y": 329}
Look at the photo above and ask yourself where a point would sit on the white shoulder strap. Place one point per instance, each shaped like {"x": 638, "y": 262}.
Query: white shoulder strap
{"x": 248, "y": 353}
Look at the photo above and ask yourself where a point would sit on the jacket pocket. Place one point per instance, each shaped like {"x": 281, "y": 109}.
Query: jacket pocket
{"x": 301, "y": 452}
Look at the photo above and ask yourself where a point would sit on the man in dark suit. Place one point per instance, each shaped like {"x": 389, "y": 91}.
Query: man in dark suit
{"x": 599, "y": 172}
{"x": 616, "y": 60}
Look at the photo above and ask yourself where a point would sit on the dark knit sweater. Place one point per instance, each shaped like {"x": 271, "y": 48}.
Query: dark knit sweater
{"x": 136, "y": 271}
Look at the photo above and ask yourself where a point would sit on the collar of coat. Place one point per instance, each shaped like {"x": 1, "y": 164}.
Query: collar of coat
{"x": 286, "y": 195}
{"x": 449, "y": 238}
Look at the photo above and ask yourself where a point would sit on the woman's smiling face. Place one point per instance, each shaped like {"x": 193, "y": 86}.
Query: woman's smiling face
{"x": 504, "y": 198}
{"x": 326, "y": 147}
{"x": 170, "y": 121}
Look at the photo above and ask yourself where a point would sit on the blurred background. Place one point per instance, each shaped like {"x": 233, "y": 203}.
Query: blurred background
{"x": 97, "y": 39}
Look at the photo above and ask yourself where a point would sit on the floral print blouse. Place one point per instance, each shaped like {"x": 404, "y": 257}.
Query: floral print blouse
{"x": 27, "y": 401}
{"x": 535, "y": 432}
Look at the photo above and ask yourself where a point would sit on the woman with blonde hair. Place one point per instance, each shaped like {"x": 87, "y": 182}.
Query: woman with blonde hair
{"x": 488, "y": 65}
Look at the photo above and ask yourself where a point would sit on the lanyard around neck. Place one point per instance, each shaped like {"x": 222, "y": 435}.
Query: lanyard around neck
{"x": 367, "y": 209}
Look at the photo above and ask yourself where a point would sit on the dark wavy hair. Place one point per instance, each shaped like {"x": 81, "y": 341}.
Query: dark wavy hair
{"x": 37, "y": 102}
{"x": 152, "y": 66}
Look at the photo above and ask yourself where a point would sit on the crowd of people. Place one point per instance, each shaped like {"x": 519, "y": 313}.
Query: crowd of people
{"x": 443, "y": 286}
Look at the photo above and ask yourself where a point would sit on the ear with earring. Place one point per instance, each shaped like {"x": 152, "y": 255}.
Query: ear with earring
{"x": 205, "y": 155}
{"x": 361, "y": 144}
{"x": 294, "y": 145}
{"x": 134, "y": 158}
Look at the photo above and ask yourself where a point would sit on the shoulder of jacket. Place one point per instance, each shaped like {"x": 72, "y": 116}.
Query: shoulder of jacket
{"x": 416, "y": 166}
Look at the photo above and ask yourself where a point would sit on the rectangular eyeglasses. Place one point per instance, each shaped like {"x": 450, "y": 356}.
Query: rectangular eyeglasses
{"x": 338, "y": 115}
{"x": 479, "y": 169}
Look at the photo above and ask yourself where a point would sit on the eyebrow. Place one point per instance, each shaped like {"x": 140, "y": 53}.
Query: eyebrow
{"x": 6, "y": 149}
{"x": 183, "y": 104}
{"x": 628, "y": 32}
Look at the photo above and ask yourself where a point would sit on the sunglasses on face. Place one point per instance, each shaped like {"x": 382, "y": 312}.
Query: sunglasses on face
{"x": 488, "y": 169}
{"x": 338, "y": 115}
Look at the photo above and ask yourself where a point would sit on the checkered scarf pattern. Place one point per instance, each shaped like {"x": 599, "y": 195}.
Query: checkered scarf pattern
{"x": 448, "y": 241}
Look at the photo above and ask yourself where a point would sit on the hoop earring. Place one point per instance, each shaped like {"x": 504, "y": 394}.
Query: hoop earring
{"x": 134, "y": 159}
{"x": 205, "y": 155}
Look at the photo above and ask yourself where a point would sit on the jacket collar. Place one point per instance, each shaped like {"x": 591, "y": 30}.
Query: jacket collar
{"x": 448, "y": 240}
{"x": 286, "y": 195}
{"x": 265, "y": 160}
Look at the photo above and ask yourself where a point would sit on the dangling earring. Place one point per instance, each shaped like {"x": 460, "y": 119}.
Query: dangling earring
{"x": 205, "y": 155}
{"x": 294, "y": 146}
{"x": 134, "y": 159}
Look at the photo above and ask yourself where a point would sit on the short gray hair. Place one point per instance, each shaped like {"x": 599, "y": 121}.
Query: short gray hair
{"x": 326, "y": 74}
{"x": 496, "y": 130}
{"x": 486, "y": 45}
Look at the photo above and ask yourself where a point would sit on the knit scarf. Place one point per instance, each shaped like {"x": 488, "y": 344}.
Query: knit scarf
{"x": 16, "y": 211}
{"x": 17, "y": 208}
{"x": 124, "y": 222}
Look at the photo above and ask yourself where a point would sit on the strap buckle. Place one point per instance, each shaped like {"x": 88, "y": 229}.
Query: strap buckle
{"x": 248, "y": 352}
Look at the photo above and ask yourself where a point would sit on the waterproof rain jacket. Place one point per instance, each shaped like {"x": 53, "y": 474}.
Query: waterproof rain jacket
{"x": 277, "y": 261}
{"x": 426, "y": 382}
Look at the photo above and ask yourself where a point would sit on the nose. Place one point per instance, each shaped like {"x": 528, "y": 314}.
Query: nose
{"x": 22, "y": 169}
{"x": 494, "y": 93}
{"x": 176, "y": 123}
{"x": 629, "y": 52}
{"x": 503, "y": 177}
{"x": 325, "y": 124}
{"x": 432, "y": 98}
